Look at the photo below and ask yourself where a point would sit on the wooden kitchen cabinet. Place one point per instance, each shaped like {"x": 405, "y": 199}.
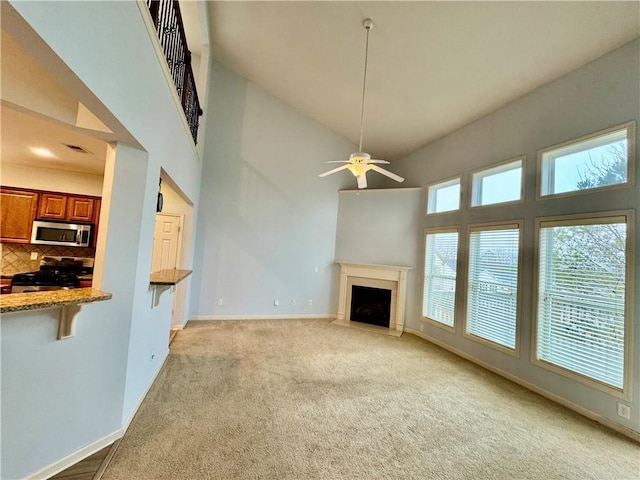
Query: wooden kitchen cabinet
{"x": 52, "y": 206}
{"x": 69, "y": 208}
{"x": 18, "y": 210}
{"x": 96, "y": 222}
{"x": 80, "y": 209}
{"x": 5, "y": 285}
{"x": 20, "y": 207}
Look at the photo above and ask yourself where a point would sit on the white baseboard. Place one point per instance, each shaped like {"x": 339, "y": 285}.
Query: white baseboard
{"x": 534, "y": 388}
{"x": 75, "y": 457}
{"x": 261, "y": 317}
{"x": 126, "y": 424}
{"x": 84, "y": 452}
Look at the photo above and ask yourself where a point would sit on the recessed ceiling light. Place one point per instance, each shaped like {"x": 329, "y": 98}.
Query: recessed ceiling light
{"x": 42, "y": 152}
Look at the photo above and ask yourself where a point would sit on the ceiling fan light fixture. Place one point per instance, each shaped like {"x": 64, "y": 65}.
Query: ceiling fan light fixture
{"x": 360, "y": 162}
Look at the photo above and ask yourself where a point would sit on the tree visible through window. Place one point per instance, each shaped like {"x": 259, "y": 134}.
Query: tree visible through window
{"x": 581, "y": 297}
{"x": 582, "y": 287}
{"x": 601, "y": 160}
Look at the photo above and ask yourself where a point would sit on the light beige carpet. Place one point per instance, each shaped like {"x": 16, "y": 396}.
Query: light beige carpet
{"x": 305, "y": 399}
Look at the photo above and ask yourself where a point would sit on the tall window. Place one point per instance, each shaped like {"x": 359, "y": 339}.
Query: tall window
{"x": 441, "y": 258}
{"x": 499, "y": 184}
{"x": 603, "y": 159}
{"x": 582, "y": 291}
{"x": 444, "y": 196}
{"x": 492, "y": 292}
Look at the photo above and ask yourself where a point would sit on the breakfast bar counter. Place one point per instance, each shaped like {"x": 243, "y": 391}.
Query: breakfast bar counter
{"x": 18, "y": 302}
{"x": 68, "y": 301}
{"x": 169, "y": 276}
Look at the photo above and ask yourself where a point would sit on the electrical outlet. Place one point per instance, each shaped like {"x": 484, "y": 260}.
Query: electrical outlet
{"x": 293, "y": 302}
{"x": 276, "y": 303}
{"x": 34, "y": 255}
{"x": 220, "y": 302}
{"x": 310, "y": 302}
{"x": 624, "y": 411}
{"x": 315, "y": 269}
{"x": 421, "y": 327}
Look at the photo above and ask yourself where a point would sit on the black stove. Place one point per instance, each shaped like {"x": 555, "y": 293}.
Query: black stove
{"x": 56, "y": 273}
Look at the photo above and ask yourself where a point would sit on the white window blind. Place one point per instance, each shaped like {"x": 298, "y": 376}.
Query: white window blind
{"x": 441, "y": 255}
{"x": 581, "y": 298}
{"x": 492, "y": 294}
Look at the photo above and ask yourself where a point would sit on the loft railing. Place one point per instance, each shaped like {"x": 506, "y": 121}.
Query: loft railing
{"x": 168, "y": 22}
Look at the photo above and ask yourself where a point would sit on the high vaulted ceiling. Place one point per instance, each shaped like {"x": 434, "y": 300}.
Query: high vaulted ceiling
{"x": 433, "y": 66}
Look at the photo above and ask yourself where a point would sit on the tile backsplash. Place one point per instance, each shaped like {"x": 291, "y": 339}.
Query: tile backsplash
{"x": 16, "y": 258}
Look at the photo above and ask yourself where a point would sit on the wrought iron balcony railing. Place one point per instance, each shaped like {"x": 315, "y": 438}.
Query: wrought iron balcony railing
{"x": 168, "y": 22}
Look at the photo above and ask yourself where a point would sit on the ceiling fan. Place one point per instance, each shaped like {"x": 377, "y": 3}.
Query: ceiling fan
{"x": 360, "y": 163}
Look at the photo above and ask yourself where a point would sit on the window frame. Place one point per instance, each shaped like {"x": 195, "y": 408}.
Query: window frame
{"x": 488, "y": 226}
{"x": 456, "y": 312}
{"x": 630, "y": 128}
{"x": 444, "y": 183}
{"x": 473, "y": 194}
{"x": 581, "y": 219}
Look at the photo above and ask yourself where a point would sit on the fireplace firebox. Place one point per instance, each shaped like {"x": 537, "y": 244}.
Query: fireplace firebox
{"x": 371, "y": 305}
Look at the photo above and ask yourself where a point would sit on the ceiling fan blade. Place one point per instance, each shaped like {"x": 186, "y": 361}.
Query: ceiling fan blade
{"x": 375, "y": 160}
{"x": 387, "y": 173}
{"x": 339, "y": 161}
{"x": 343, "y": 167}
{"x": 362, "y": 181}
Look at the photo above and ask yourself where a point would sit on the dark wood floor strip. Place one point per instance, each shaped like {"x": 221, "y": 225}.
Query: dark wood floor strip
{"x": 106, "y": 460}
{"x": 91, "y": 467}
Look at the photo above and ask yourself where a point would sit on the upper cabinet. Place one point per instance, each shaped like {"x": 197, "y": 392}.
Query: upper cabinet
{"x": 52, "y": 206}
{"x": 20, "y": 207}
{"x": 72, "y": 208}
{"x": 18, "y": 212}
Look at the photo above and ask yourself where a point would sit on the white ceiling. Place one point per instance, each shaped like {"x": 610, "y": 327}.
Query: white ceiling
{"x": 21, "y": 132}
{"x": 433, "y": 66}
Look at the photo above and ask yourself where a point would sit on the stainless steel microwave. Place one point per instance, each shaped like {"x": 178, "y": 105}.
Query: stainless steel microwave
{"x": 56, "y": 233}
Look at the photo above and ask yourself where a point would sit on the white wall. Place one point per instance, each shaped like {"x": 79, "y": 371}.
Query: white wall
{"x": 27, "y": 83}
{"x": 602, "y": 94}
{"x": 63, "y": 398}
{"x": 266, "y": 220}
{"x": 25, "y": 176}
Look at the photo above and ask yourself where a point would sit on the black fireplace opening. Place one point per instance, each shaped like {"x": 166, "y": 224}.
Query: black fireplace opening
{"x": 371, "y": 305}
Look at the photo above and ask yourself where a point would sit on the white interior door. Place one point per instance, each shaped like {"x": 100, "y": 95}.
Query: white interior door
{"x": 166, "y": 242}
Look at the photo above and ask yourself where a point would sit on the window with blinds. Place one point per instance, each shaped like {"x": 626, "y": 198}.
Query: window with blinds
{"x": 439, "y": 292}
{"x": 492, "y": 292}
{"x": 582, "y": 272}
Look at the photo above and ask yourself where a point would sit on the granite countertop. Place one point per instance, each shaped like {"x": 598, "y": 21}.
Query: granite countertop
{"x": 169, "y": 276}
{"x": 18, "y": 302}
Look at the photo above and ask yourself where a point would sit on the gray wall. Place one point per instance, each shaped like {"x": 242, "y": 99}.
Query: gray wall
{"x": 601, "y": 94}
{"x": 266, "y": 219}
{"x": 379, "y": 227}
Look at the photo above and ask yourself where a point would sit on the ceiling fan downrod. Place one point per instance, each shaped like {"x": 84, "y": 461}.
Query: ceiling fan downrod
{"x": 368, "y": 25}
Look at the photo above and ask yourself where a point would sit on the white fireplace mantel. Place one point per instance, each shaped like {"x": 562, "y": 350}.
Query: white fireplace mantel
{"x": 367, "y": 275}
